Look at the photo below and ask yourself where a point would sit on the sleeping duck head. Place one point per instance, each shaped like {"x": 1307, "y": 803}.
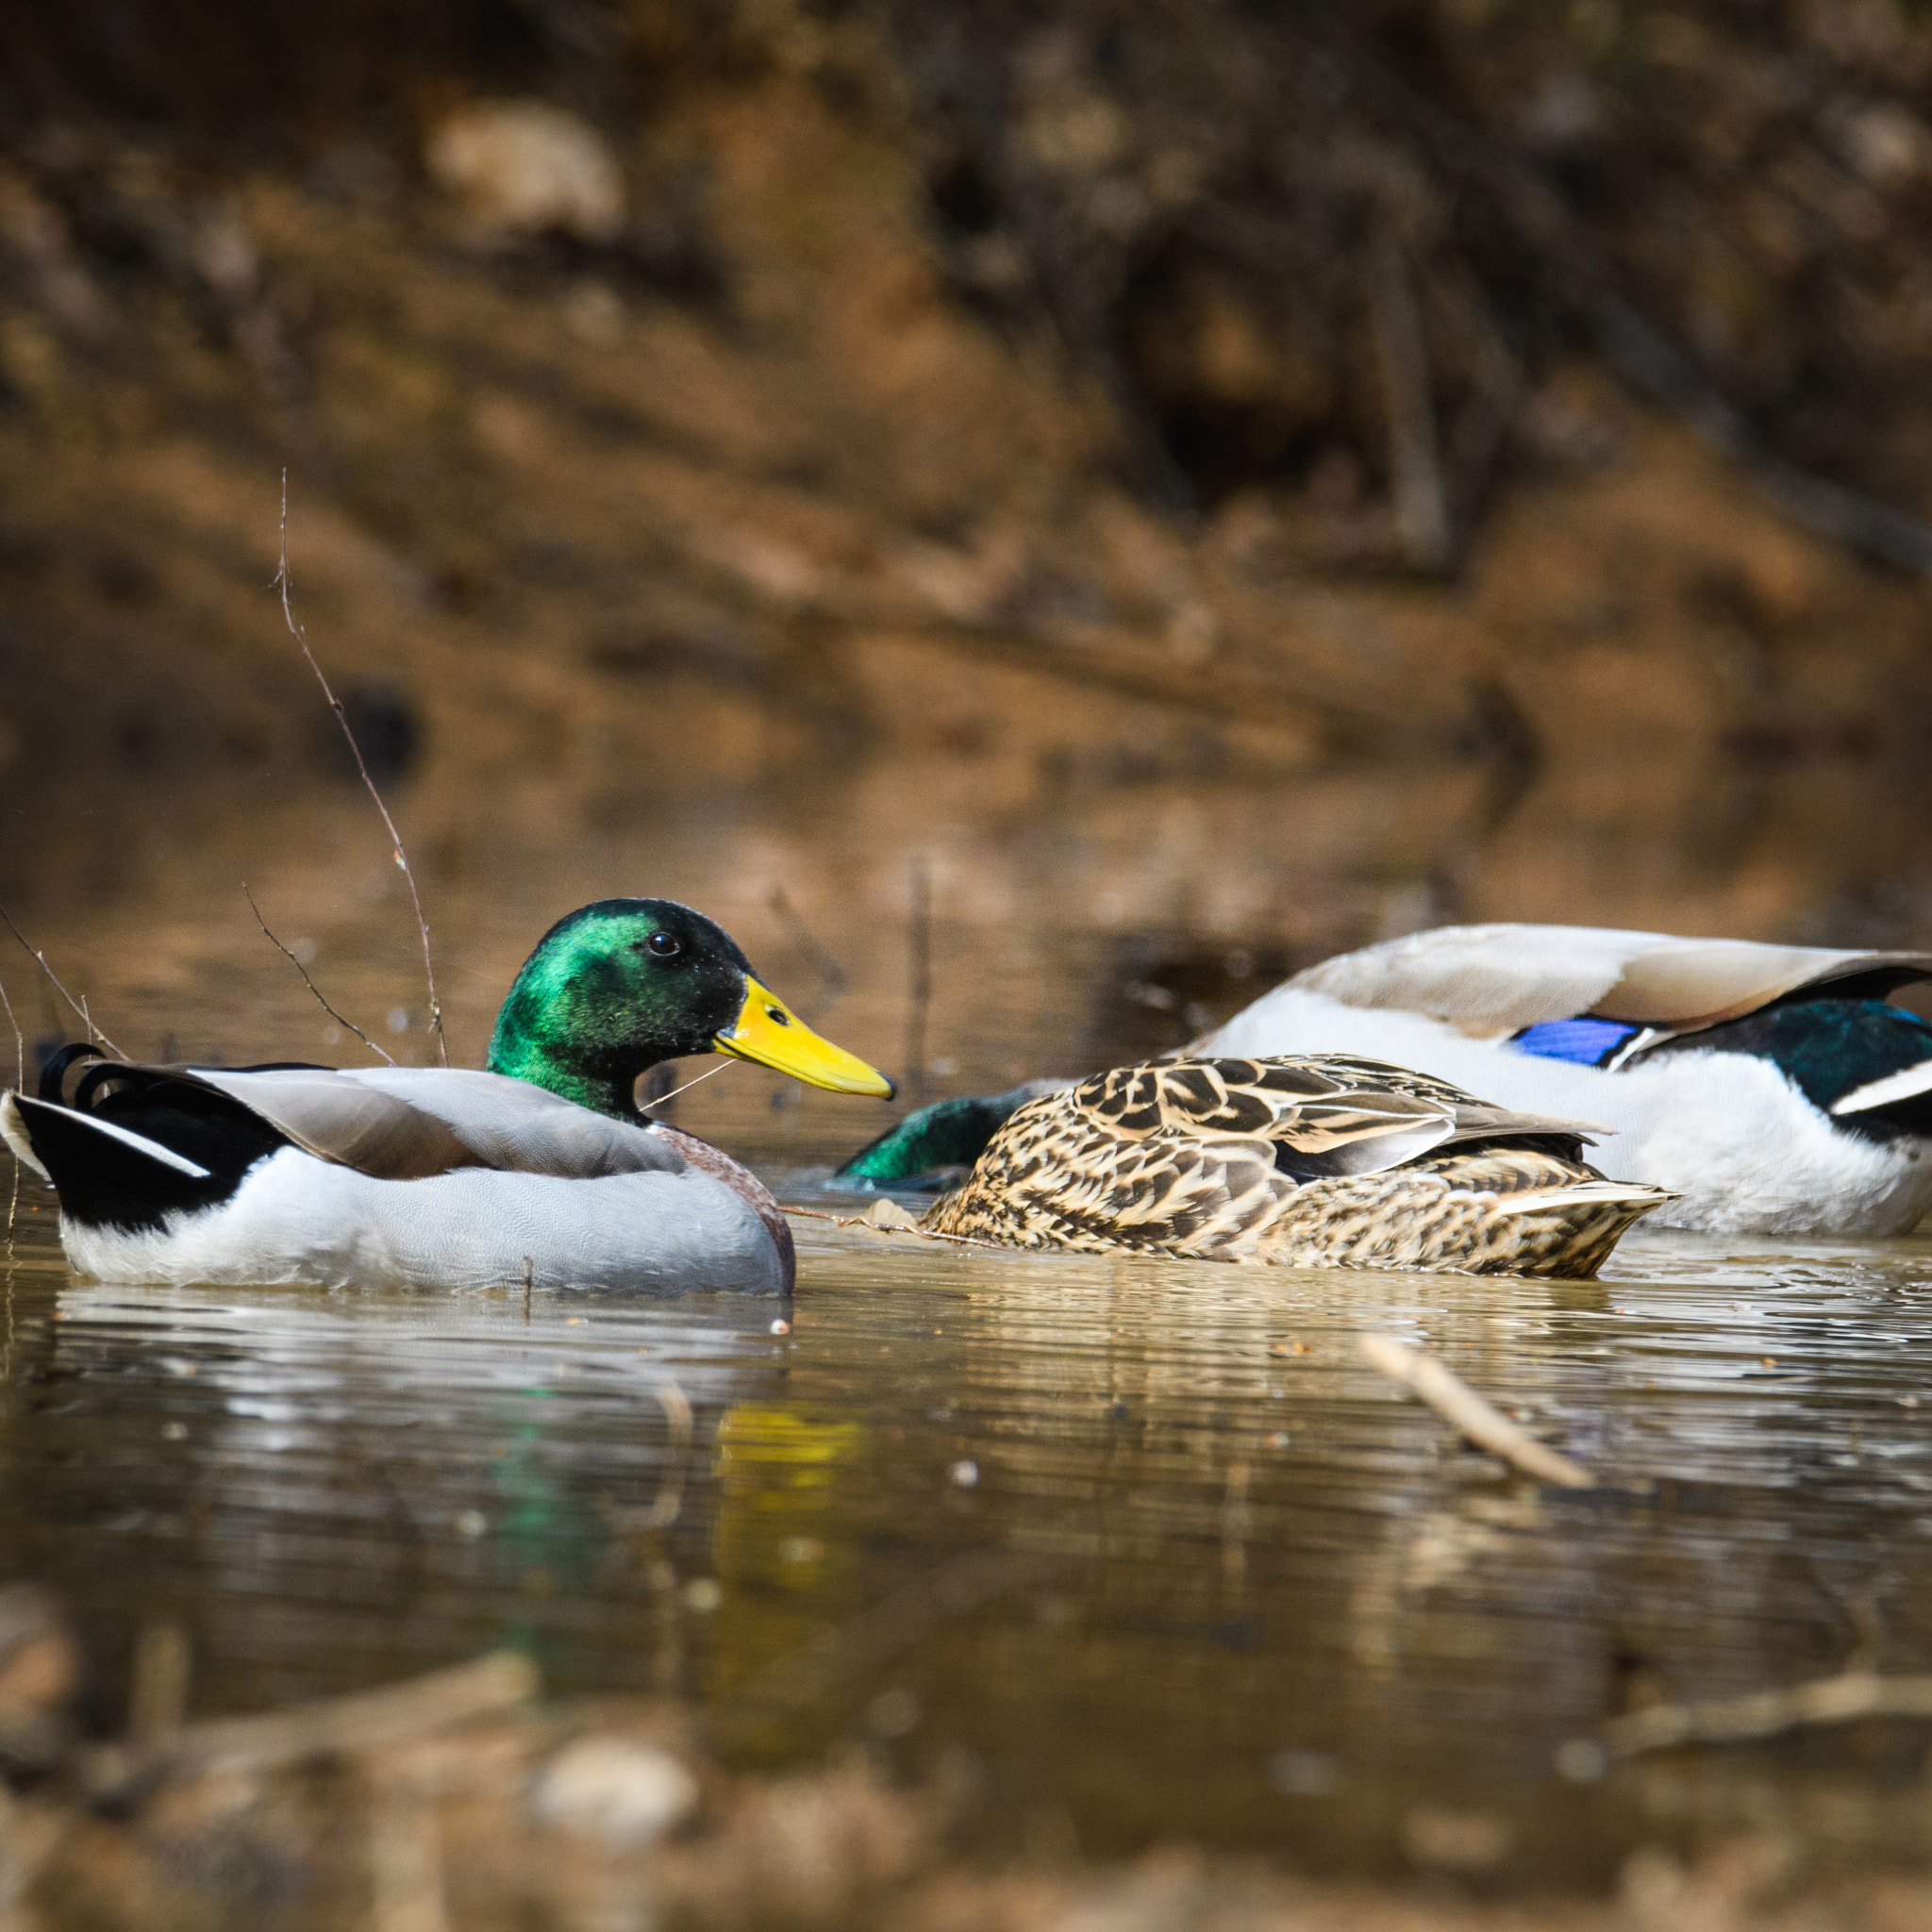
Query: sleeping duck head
{"x": 619, "y": 986}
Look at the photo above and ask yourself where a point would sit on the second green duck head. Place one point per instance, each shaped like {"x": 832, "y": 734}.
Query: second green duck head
{"x": 618, "y": 987}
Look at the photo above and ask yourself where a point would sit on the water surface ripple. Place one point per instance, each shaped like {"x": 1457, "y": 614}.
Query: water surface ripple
{"x": 1145, "y": 1547}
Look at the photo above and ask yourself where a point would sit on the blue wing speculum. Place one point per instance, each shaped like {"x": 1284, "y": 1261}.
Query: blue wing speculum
{"x": 1584, "y": 1043}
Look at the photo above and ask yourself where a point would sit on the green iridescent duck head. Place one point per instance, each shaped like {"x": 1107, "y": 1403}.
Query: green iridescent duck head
{"x": 617, "y": 987}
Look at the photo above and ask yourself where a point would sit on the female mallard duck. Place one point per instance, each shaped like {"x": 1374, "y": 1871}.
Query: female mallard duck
{"x": 1310, "y": 1162}
{"x": 1771, "y": 1089}
{"x": 440, "y": 1176}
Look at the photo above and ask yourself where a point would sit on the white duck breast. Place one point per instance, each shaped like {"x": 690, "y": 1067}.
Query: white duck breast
{"x": 411, "y": 1177}
{"x": 1730, "y": 1131}
{"x": 297, "y": 1218}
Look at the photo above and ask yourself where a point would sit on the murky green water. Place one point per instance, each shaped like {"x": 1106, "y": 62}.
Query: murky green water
{"x": 1144, "y": 1548}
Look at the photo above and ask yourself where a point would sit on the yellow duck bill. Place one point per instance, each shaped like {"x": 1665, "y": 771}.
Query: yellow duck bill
{"x": 767, "y": 1031}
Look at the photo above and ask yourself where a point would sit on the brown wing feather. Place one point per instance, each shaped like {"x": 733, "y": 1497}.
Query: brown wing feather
{"x": 1389, "y": 1169}
{"x": 1489, "y": 980}
{"x": 1054, "y": 1176}
{"x": 1699, "y": 983}
{"x": 1320, "y": 1105}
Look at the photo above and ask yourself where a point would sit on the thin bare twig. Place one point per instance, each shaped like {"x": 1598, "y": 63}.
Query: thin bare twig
{"x": 924, "y": 1234}
{"x": 831, "y": 974}
{"x": 665, "y": 1099}
{"x": 1839, "y": 1700}
{"x": 34, "y": 952}
{"x": 396, "y": 837}
{"x": 19, "y": 1084}
{"x": 1583, "y": 279}
{"x": 306, "y": 981}
{"x": 919, "y": 992}
{"x": 1479, "y": 1420}
{"x": 1647, "y": 359}
{"x": 19, "y": 1040}
{"x": 362, "y": 1721}
{"x": 1421, "y": 511}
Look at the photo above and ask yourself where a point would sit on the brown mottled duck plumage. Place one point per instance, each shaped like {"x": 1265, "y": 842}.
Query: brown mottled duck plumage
{"x": 1312, "y": 1162}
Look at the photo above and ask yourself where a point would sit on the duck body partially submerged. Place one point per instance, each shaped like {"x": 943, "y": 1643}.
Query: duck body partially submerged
{"x": 1300, "y": 1160}
{"x": 458, "y": 1180}
{"x": 1769, "y": 1090}
{"x": 446, "y": 1178}
{"x": 1772, "y": 1090}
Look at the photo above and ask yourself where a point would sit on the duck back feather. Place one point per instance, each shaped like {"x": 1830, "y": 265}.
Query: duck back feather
{"x": 1315, "y": 1161}
{"x": 1492, "y": 981}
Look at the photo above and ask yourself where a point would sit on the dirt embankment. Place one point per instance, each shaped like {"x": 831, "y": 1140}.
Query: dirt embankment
{"x": 1137, "y": 395}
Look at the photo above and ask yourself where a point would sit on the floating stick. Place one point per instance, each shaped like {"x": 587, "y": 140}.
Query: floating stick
{"x": 1839, "y": 1700}
{"x": 1481, "y": 1421}
{"x": 334, "y": 1727}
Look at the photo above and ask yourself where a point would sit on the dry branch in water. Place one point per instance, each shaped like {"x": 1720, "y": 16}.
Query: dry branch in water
{"x": 362, "y": 1721}
{"x": 20, "y": 1083}
{"x": 886, "y": 1225}
{"x": 35, "y": 953}
{"x": 1839, "y": 1700}
{"x": 919, "y": 962}
{"x": 306, "y": 981}
{"x": 19, "y": 1040}
{"x": 396, "y": 837}
{"x": 1654, "y": 366}
{"x": 831, "y": 974}
{"x": 1480, "y": 1421}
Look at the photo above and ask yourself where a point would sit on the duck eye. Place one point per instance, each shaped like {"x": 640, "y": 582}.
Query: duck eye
{"x": 661, "y": 945}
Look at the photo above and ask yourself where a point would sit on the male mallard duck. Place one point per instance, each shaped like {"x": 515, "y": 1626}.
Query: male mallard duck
{"x": 1770, "y": 1088}
{"x": 1306, "y": 1161}
{"x": 440, "y": 1176}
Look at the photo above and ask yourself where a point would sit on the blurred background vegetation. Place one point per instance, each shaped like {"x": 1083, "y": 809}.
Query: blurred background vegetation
{"x": 1462, "y": 457}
